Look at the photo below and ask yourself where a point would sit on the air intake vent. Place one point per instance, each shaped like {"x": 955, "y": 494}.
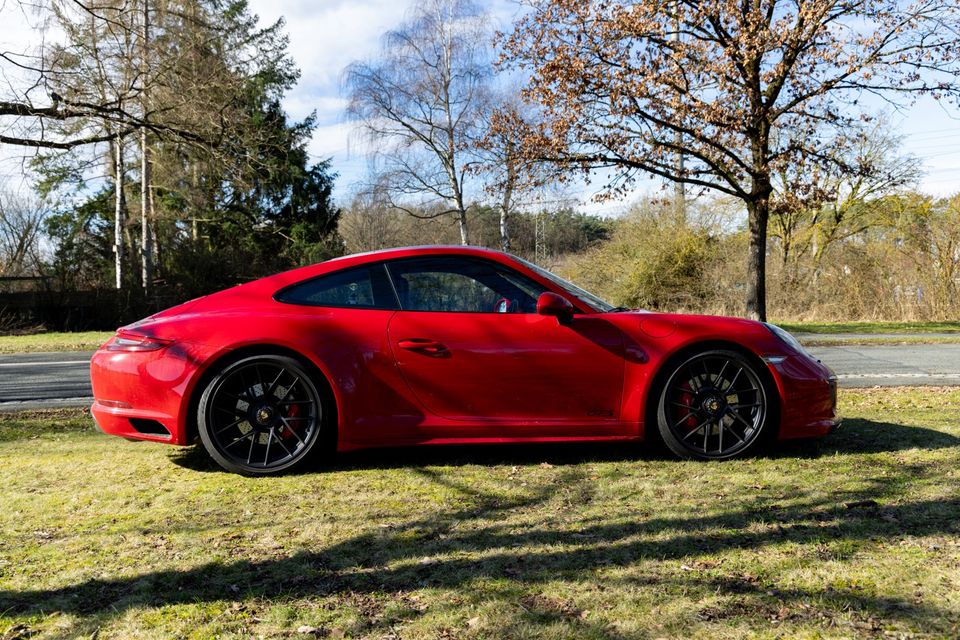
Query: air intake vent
{"x": 150, "y": 427}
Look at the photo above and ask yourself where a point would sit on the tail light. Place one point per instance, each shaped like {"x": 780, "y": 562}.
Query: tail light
{"x": 135, "y": 342}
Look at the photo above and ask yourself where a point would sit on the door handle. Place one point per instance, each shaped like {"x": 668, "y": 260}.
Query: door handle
{"x": 431, "y": 347}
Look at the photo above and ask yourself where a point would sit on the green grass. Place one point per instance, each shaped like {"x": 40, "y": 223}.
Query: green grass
{"x": 827, "y": 340}
{"x": 871, "y": 327}
{"x": 855, "y": 539}
{"x": 54, "y": 341}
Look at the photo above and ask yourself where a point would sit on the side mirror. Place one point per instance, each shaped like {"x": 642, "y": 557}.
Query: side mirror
{"x": 551, "y": 304}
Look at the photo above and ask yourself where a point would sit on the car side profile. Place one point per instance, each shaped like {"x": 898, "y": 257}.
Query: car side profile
{"x": 447, "y": 345}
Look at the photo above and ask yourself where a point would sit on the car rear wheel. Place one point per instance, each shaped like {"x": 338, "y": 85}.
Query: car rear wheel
{"x": 261, "y": 415}
{"x": 714, "y": 405}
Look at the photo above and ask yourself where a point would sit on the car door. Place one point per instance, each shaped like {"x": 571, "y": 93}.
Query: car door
{"x": 470, "y": 345}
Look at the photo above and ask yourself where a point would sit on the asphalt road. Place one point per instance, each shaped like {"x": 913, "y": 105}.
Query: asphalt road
{"x": 46, "y": 380}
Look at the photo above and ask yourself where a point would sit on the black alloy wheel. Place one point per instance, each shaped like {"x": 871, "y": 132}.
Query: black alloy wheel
{"x": 261, "y": 415}
{"x": 714, "y": 405}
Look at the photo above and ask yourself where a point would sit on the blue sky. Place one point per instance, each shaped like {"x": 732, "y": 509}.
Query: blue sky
{"x": 326, "y": 35}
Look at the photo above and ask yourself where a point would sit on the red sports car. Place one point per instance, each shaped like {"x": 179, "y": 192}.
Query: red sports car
{"x": 437, "y": 345}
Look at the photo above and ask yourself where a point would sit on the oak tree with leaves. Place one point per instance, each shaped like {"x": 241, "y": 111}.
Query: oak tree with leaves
{"x": 741, "y": 90}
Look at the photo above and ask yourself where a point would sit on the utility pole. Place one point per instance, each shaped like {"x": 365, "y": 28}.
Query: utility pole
{"x": 540, "y": 239}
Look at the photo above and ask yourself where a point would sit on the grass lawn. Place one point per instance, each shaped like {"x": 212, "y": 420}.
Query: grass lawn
{"x": 74, "y": 341}
{"x": 871, "y": 327}
{"x": 112, "y": 539}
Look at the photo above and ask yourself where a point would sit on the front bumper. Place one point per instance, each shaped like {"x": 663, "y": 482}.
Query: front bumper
{"x": 809, "y": 392}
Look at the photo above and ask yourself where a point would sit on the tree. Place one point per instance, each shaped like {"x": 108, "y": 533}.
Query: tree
{"x": 510, "y": 174}
{"x": 421, "y": 104}
{"x": 237, "y": 198}
{"x": 814, "y": 209}
{"x": 21, "y": 224}
{"x": 738, "y": 90}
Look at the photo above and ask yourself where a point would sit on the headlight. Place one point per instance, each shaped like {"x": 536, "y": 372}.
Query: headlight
{"x": 786, "y": 337}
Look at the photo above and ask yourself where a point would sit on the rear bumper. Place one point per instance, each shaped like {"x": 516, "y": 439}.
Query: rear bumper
{"x": 134, "y": 424}
{"x": 144, "y": 395}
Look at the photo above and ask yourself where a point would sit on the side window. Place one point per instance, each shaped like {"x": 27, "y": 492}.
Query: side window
{"x": 363, "y": 287}
{"x": 462, "y": 285}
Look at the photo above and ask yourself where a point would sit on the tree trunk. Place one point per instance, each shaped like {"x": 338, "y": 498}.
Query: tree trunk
{"x": 506, "y": 204}
{"x": 464, "y": 230}
{"x": 119, "y": 206}
{"x": 146, "y": 238}
{"x": 759, "y": 214}
{"x": 146, "y": 199}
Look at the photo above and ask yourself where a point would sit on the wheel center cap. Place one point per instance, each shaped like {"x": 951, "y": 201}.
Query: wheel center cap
{"x": 265, "y": 414}
{"x": 713, "y": 404}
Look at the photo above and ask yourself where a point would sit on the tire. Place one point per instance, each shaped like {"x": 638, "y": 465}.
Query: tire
{"x": 715, "y": 405}
{"x": 263, "y": 415}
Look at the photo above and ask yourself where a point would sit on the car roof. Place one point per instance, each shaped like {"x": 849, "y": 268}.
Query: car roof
{"x": 398, "y": 252}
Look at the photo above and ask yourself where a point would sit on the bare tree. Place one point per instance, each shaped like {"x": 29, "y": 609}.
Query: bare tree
{"x": 814, "y": 207}
{"x": 21, "y": 225}
{"x": 421, "y": 103}
{"x": 510, "y": 175}
{"x": 740, "y": 89}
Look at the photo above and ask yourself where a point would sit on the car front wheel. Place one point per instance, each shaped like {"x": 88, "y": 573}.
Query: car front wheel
{"x": 714, "y": 405}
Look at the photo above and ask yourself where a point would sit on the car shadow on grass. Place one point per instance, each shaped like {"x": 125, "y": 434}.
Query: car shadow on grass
{"x": 856, "y": 436}
{"x": 445, "y": 555}
{"x": 437, "y": 550}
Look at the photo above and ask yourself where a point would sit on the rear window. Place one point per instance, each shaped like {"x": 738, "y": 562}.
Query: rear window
{"x": 363, "y": 287}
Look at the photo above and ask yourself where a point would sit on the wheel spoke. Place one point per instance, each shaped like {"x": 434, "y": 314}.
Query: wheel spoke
{"x": 685, "y": 406}
{"x": 734, "y": 433}
{"x": 240, "y": 439}
{"x": 266, "y": 456}
{"x": 694, "y": 382}
{"x": 243, "y": 382}
{"x": 682, "y": 420}
{"x": 291, "y": 430}
{"x": 740, "y": 418}
{"x": 234, "y": 412}
{"x": 289, "y": 389}
{"x": 736, "y": 376}
{"x": 273, "y": 385}
{"x": 280, "y": 442}
{"x": 720, "y": 434}
{"x": 232, "y": 424}
{"x": 746, "y": 406}
{"x": 250, "y": 453}
{"x": 697, "y": 429}
{"x": 722, "y": 369}
{"x": 263, "y": 387}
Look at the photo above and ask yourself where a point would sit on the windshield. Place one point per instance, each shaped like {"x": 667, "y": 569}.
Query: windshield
{"x": 586, "y": 297}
